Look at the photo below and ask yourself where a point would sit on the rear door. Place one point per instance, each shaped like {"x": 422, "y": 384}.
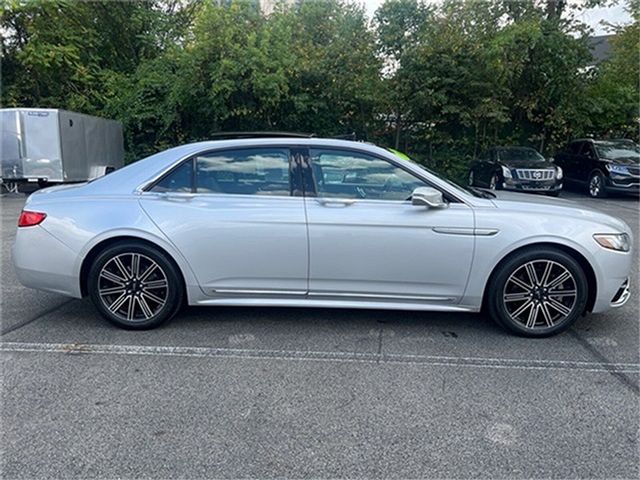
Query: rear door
{"x": 235, "y": 217}
{"x": 367, "y": 241}
{"x": 569, "y": 160}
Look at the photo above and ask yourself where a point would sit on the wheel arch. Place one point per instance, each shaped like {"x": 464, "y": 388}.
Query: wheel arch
{"x": 575, "y": 254}
{"x": 93, "y": 253}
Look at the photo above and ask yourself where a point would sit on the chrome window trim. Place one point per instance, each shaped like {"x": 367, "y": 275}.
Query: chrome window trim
{"x": 392, "y": 161}
{"x": 415, "y": 171}
{"x": 147, "y": 184}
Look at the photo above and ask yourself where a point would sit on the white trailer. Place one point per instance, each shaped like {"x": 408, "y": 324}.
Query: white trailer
{"x": 49, "y": 146}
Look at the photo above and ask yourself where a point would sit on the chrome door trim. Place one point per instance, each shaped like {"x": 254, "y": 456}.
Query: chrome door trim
{"x": 257, "y": 292}
{"x": 484, "y": 232}
{"x": 383, "y": 296}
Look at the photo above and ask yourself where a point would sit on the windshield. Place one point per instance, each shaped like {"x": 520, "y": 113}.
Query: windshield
{"x": 616, "y": 150}
{"x": 520, "y": 154}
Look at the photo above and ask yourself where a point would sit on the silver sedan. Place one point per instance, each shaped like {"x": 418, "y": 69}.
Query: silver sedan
{"x": 317, "y": 223}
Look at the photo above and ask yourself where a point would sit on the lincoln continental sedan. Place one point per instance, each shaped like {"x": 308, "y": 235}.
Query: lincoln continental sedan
{"x": 309, "y": 222}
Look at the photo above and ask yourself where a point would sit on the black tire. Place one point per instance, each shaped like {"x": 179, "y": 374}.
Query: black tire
{"x": 106, "y": 275}
{"x": 542, "y": 302}
{"x": 495, "y": 183}
{"x": 597, "y": 185}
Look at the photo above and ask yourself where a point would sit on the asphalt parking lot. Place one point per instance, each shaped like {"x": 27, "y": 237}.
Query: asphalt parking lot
{"x": 261, "y": 393}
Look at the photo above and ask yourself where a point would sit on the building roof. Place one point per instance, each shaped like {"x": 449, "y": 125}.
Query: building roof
{"x": 600, "y": 47}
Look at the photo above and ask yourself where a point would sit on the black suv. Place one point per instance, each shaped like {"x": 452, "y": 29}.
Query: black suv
{"x": 602, "y": 165}
{"x": 515, "y": 168}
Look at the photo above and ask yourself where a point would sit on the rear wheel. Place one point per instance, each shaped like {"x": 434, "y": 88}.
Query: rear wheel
{"x": 135, "y": 286}
{"x": 597, "y": 188}
{"x": 538, "y": 292}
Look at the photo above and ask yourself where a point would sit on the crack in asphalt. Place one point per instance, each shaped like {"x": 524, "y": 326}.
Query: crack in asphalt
{"x": 319, "y": 356}
{"x": 605, "y": 362}
{"x": 24, "y": 323}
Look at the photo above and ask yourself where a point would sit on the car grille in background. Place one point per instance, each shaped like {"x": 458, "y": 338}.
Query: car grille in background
{"x": 535, "y": 174}
{"x": 634, "y": 171}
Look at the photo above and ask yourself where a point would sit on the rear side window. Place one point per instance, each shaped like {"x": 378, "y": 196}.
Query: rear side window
{"x": 256, "y": 171}
{"x": 178, "y": 180}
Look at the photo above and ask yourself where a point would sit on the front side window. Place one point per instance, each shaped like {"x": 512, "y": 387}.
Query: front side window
{"x": 255, "y": 171}
{"x": 346, "y": 174}
{"x": 587, "y": 151}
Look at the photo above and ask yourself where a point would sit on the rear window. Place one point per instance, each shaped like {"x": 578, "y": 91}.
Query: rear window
{"x": 179, "y": 180}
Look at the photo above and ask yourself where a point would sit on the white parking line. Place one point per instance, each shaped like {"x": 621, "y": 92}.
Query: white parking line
{"x": 319, "y": 356}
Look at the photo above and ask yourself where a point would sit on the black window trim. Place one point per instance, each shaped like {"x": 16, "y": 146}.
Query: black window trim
{"x": 192, "y": 158}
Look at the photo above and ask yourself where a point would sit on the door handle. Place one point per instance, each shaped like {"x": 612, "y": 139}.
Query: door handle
{"x": 176, "y": 197}
{"x": 335, "y": 202}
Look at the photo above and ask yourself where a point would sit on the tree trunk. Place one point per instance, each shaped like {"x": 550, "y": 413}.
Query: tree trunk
{"x": 398, "y": 130}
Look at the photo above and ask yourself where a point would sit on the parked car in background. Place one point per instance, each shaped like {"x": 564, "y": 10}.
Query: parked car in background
{"x": 311, "y": 222}
{"x": 515, "y": 168}
{"x": 602, "y": 166}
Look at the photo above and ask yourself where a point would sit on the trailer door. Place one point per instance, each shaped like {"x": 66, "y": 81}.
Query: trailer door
{"x": 74, "y": 148}
{"x": 42, "y": 155}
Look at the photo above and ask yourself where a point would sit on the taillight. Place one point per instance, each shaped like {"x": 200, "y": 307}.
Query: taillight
{"x": 31, "y": 219}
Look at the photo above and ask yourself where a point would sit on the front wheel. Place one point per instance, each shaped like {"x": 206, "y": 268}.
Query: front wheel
{"x": 538, "y": 292}
{"x": 597, "y": 187}
{"x": 472, "y": 180}
{"x": 494, "y": 183}
{"x": 135, "y": 286}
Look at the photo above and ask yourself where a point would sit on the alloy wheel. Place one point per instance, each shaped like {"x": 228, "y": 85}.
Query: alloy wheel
{"x": 595, "y": 185}
{"x": 540, "y": 294}
{"x": 133, "y": 287}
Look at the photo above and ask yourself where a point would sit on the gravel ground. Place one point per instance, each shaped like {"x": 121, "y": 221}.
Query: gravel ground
{"x": 269, "y": 392}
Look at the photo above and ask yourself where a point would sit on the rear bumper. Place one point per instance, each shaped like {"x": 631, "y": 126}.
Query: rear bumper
{"x": 43, "y": 262}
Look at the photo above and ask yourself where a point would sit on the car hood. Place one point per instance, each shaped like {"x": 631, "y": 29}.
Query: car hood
{"x": 534, "y": 164}
{"x": 632, "y": 161}
{"x": 547, "y": 206}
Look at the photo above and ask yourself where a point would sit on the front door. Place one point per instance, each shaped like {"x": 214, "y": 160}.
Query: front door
{"x": 234, "y": 216}
{"x": 367, "y": 241}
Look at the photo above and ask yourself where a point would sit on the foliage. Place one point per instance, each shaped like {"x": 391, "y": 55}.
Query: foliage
{"x": 440, "y": 80}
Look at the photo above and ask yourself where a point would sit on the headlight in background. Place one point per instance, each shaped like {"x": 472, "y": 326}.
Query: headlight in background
{"x": 506, "y": 173}
{"x": 558, "y": 173}
{"x": 617, "y": 169}
{"x": 620, "y": 242}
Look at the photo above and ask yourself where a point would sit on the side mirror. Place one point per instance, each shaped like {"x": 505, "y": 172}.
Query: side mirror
{"x": 427, "y": 197}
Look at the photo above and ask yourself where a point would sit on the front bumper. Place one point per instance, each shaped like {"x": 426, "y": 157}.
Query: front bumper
{"x": 613, "y": 270}
{"x": 622, "y": 295}
{"x": 532, "y": 186}
{"x": 623, "y": 184}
